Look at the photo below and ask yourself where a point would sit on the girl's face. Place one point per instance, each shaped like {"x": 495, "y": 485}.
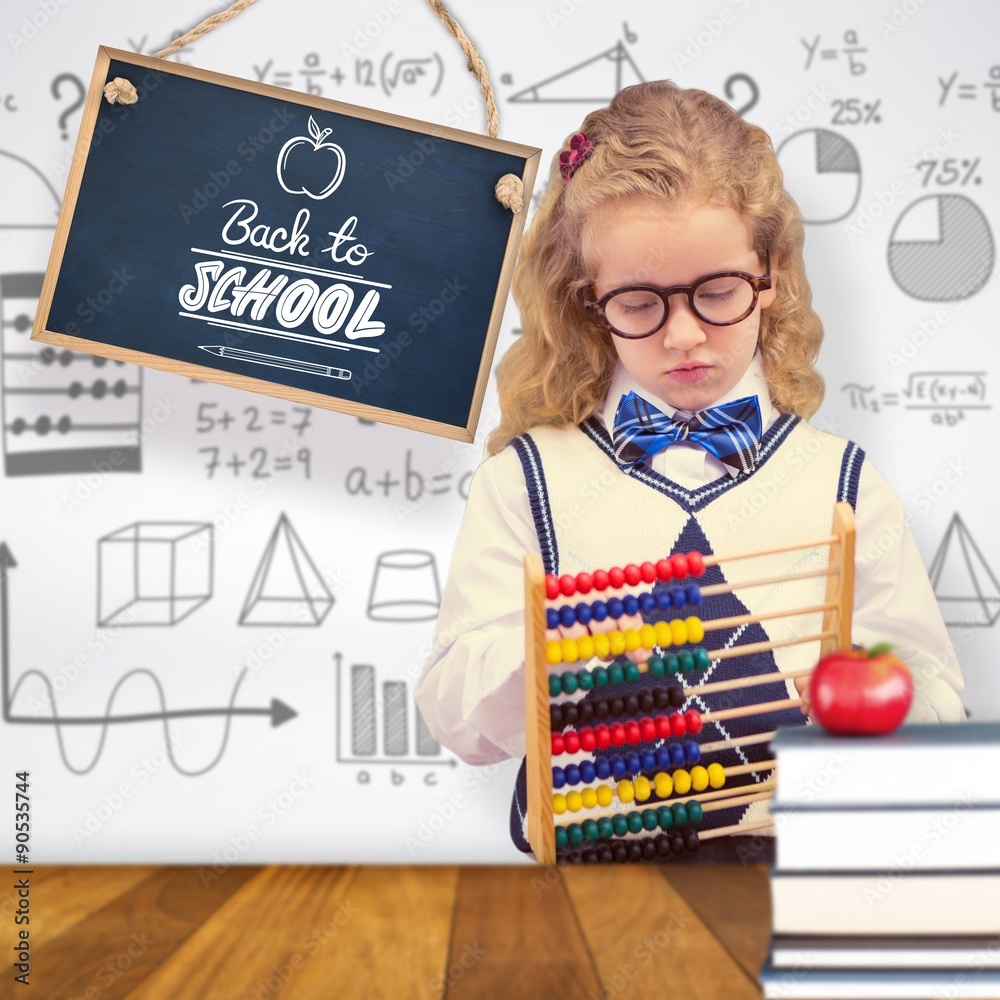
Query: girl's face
{"x": 687, "y": 363}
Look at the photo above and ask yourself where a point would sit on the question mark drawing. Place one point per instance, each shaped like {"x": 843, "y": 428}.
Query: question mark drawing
{"x": 731, "y": 84}
{"x": 57, "y": 87}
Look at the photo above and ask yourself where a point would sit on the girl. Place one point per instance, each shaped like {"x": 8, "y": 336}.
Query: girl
{"x": 642, "y": 421}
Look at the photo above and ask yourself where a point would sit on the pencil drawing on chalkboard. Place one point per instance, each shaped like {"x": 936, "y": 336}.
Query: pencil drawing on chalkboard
{"x": 963, "y": 581}
{"x": 405, "y": 587}
{"x": 593, "y": 81}
{"x": 311, "y": 164}
{"x": 823, "y": 172}
{"x": 287, "y": 588}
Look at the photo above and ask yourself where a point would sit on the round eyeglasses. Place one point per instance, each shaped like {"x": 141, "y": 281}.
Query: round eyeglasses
{"x": 722, "y": 299}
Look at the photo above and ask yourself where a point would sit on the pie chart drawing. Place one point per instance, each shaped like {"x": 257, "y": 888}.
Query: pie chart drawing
{"x": 823, "y": 174}
{"x": 941, "y": 249}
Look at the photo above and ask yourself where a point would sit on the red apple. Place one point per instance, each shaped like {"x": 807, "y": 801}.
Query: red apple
{"x": 861, "y": 691}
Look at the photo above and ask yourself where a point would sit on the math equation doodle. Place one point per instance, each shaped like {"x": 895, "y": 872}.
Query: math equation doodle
{"x": 947, "y": 395}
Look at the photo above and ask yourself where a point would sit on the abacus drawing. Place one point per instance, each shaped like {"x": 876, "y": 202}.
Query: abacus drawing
{"x": 601, "y": 826}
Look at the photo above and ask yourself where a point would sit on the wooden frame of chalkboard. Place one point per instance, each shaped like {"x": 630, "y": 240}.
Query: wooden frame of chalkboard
{"x": 245, "y": 234}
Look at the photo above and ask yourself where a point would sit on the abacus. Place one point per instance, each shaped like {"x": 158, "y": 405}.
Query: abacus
{"x": 661, "y": 778}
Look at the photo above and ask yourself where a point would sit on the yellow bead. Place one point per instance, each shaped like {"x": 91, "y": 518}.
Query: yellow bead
{"x": 559, "y": 804}
{"x": 553, "y": 652}
{"x": 664, "y": 784}
{"x": 678, "y": 632}
{"x": 604, "y": 795}
{"x": 696, "y": 631}
{"x": 699, "y": 778}
{"x": 632, "y": 639}
{"x": 617, "y": 641}
{"x": 574, "y": 802}
{"x": 585, "y": 646}
{"x": 663, "y": 634}
{"x": 602, "y": 646}
{"x": 716, "y": 775}
{"x": 626, "y": 793}
{"x": 642, "y": 789}
{"x": 569, "y": 652}
{"x": 647, "y": 635}
{"x": 682, "y": 781}
{"x": 589, "y": 796}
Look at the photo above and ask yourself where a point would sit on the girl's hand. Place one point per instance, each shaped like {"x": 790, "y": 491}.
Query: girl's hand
{"x": 802, "y": 686}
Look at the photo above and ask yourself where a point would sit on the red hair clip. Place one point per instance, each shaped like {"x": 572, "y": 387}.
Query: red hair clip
{"x": 570, "y": 159}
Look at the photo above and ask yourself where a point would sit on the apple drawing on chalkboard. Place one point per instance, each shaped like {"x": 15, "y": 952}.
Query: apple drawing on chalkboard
{"x": 317, "y": 165}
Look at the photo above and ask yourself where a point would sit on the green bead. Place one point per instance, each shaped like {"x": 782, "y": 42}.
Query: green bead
{"x": 600, "y": 676}
{"x": 634, "y": 822}
{"x": 649, "y": 820}
{"x": 590, "y": 829}
{"x": 619, "y": 824}
{"x": 562, "y": 837}
{"x": 615, "y": 673}
{"x": 671, "y": 664}
{"x": 686, "y": 660}
{"x": 695, "y": 812}
{"x": 555, "y": 685}
{"x": 569, "y": 682}
{"x": 584, "y": 680}
{"x": 664, "y": 817}
{"x": 655, "y": 666}
{"x": 680, "y": 813}
{"x": 702, "y": 658}
{"x": 575, "y": 834}
{"x": 605, "y": 828}
{"x": 631, "y": 672}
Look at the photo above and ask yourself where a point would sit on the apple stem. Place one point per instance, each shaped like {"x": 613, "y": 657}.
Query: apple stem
{"x": 323, "y": 135}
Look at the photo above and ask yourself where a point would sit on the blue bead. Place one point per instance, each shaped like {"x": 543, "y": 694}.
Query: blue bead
{"x": 663, "y": 601}
{"x": 677, "y": 597}
{"x": 648, "y": 759}
{"x": 599, "y": 610}
{"x": 587, "y": 771}
{"x": 663, "y": 758}
{"x": 615, "y": 607}
{"x": 618, "y": 768}
{"x": 602, "y": 768}
{"x": 631, "y": 604}
{"x": 677, "y": 757}
{"x": 647, "y": 603}
{"x": 551, "y": 618}
{"x": 633, "y": 763}
{"x": 583, "y": 613}
{"x": 567, "y": 616}
{"x": 558, "y": 777}
{"x": 693, "y": 594}
{"x": 692, "y": 752}
{"x": 572, "y": 774}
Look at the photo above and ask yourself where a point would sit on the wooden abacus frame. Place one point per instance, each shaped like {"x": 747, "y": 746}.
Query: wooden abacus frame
{"x": 835, "y": 634}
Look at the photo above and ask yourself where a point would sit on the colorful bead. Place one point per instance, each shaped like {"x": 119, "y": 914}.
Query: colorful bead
{"x": 632, "y": 574}
{"x": 568, "y": 678}
{"x": 642, "y": 788}
{"x": 663, "y": 729}
{"x": 678, "y": 724}
{"x": 600, "y": 579}
{"x": 553, "y": 652}
{"x": 559, "y": 804}
{"x": 664, "y": 817}
{"x": 678, "y": 598}
{"x": 695, "y": 812}
{"x": 647, "y": 759}
{"x": 631, "y": 673}
{"x": 619, "y": 824}
{"x": 675, "y": 755}
{"x": 588, "y": 741}
{"x": 681, "y": 817}
{"x": 693, "y": 592}
{"x": 585, "y": 647}
{"x": 584, "y": 582}
{"x": 654, "y": 666}
{"x": 584, "y": 678}
{"x": 604, "y": 795}
{"x": 647, "y": 603}
{"x": 680, "y": 566}
{"x": 682, "y": 782}
{"x": 555, "y": 685}
{"x": 663, "y": 784}
{"x": 572, "y": 773}
{"x": 686, "y": 660}
{"x": 575, "y": 834}
{"x": 692, "y": 718}
{"x": 664, "y": 569}
{"x": 562, "y": 837}
{"x": 551, "y": 618}
{"x": 699, "y": 778}
{"x": 678, "y": 632}
{"x": 692, "y": 752}
{"x": 567, "y": 585}
{"x": 696, "y": 564}
{"x": 695, "y": 629}
{"x": 589, "y": 796}
{"x": 663, "y": 634}
{"x": 615, "y": 607}
{"x": 583, "y": 613}
{"x": 663, "y": 601}
{"x": 569, "y": 651}
{"x": 574, "y": 801}
{"x": 649, "y": 819}
{"x": 647, "y": 636}
{"x": 599, "y": 610}
{"x": 617, "y": 640}
{"x": 603, "y": 736}
{"x": 691, "y": 840}
{"x": 632, "y": 640}
{"x": 671, "y": 663}
{"x": 589, "y": 829}
{"x": 630, "y": 604}
{"x": 586, "y": 768}
{"x": 605, "y": 828}
{"x": 551, "y": 586}
{"x": 632, "y": 731}
{"x": 616, "y": 675}
{"x": 558, "y": 746}
{"x": 716, "y": 775}
{"x": 617, "y": 734}
{"x": 571, "y": 741}
{"x": 647, "y": 729}
{"x": 616, "y": 577}
{"x": 567, "y": 616}
{"x": 634, "y": 820}
{"x": 626, "y": 791}
{"x": 701, "y": 658}
{"x": 602, "y": 646}
{"x": 599, "y": 674}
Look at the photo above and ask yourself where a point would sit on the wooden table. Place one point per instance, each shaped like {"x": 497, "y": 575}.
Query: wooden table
{"x": 299, "y": 933}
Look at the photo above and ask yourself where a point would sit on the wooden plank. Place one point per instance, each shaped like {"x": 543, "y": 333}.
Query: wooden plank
{"x": 734, "y": 901}
{"x": 840, "y": 588}
{"x": 124, "y": 941}
{"x": 515, "y": 935}
{"x": 645, "y": 935}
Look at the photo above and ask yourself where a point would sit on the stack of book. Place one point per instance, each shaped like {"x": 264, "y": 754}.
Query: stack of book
{"x": 886, "y": 880}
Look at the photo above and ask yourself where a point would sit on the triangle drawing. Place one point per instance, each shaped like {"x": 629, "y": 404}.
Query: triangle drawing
{"x": 966, "y": 589}
{"x": 287, "y": 589}
{"x": 594, "y": 81}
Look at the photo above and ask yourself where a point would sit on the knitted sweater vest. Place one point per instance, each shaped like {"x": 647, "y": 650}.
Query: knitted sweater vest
{"x": 589, "y": 514}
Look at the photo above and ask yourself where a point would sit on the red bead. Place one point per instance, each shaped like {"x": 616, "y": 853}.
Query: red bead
{"x": 603, "y": 736}
{"x": 648, "y": 729}
{"x": 662, "y": 726}
{"x": 583, "y": 583}
{"x": 693, "y": 718}
{"x": 680, "y": 564}
{"x": 551, "y": 586}
{"x": 678, "y": 725}
{"x": 600, "y": 579}
{"x": 571, "y": 741}
{"x": 664, "y": 569}
{"x": 616, "y": 577}
{"x": 588, "y": 741}
{"x": 632, "y": 574}
{"x": 617, "y": 734}
{"x": 696, "y": 564}
{"x": 632, "y": 732}
{"x": 558, "y": 746}
{"x": 648, "y": 571}
{"x": 567, "y": 584}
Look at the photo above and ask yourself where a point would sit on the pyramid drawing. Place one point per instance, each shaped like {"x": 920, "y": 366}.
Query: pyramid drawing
{"x": 964, "y": 584}
{"x": 287, "y": 589}
{"x": 594, "y": 81}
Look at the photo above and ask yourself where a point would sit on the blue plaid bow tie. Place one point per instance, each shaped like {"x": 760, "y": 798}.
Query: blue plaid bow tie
{"x": 731, "y": 432}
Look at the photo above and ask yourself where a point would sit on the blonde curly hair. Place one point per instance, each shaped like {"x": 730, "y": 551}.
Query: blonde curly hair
{"x": 654, "y": 140}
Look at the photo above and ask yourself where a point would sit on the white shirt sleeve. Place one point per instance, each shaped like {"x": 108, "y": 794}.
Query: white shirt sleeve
{"x": 471, "y": 688}
{"x": 894, "y": 602}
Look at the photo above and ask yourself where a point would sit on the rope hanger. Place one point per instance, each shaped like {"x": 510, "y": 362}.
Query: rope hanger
{"x": 509, "y": 189}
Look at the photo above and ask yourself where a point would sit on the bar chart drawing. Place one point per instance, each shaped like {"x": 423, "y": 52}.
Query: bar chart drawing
{"x": 385, "y": 712}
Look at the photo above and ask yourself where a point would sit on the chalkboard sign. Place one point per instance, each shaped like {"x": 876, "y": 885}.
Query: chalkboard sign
{"x": 292, "y": 245}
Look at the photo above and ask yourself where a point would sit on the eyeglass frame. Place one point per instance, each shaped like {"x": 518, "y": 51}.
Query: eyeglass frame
{"x": 758, "y": 282}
